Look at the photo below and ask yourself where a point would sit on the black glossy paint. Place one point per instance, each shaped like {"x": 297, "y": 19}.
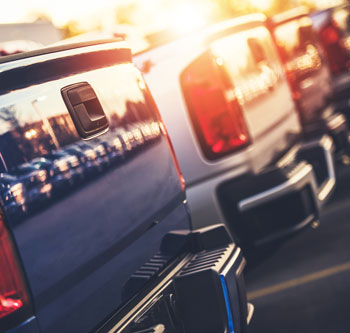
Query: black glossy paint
{"x": 86, "y": 214}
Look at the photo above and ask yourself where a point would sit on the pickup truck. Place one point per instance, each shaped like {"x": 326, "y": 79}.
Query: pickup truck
{"x": 310, "y": 78}
{"x": 333, "y": 30}
{"x": 115, "y": 252}
{"x": 236, "y": 132}
{"x": 332, "y": 26}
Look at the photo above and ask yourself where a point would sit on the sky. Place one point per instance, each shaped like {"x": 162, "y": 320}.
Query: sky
{"x": 102, "y": 13}
{"x": 86, "y": 11}
{"x": 60, "y": 11}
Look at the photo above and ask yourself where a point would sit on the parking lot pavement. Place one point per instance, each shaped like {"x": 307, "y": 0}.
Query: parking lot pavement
{"x": 303, "y": 285}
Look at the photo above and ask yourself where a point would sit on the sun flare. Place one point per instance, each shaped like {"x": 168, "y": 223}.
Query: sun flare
{"x": 186, "y": 17}
{"x": 261, "y": 4}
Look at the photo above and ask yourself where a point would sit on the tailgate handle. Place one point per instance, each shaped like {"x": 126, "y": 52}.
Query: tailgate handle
{"x": 85, "y": 109}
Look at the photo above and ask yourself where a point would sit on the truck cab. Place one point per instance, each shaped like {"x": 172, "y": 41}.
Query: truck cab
{"x": 116, "y": 251}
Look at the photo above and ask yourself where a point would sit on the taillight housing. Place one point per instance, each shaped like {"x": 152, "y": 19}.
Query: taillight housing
{"x": 14, "y": 297}
{"x": 213, "y": 106}
{"x": 294, "y": 86}
{"x": 334, "y": 47}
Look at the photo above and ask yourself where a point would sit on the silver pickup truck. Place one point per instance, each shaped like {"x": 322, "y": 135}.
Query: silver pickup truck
{"x": 235, "y": 129}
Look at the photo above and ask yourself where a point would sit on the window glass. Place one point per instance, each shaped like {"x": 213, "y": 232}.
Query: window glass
{"x": 251, "y": 62}
{"x": 298, "y": 46}
{"x": 294, "y": 37}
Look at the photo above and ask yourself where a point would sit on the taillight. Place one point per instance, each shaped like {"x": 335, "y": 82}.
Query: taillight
{"x": 214, "y": 108}
{"x": 294, "y": 86}
{"x": 14, "y": 298}
{"x": 334, "y": 48}
{"x": 330, "y": 35}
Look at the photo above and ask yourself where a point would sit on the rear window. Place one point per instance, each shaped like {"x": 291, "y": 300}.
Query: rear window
{"x": 294, "y": 37}
{"x": 251, "y": 62}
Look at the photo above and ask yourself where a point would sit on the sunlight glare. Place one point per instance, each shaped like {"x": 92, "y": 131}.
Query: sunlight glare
{"x": 186, "y": 18}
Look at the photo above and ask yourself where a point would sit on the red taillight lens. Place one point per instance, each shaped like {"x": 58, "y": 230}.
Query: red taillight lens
{"x": 291, "y": 77}
{"x": 214, "y": 109}
{"x": 334, "y": 48}
{"x": 13, "y": 294}
{"x": 330, "y": 35}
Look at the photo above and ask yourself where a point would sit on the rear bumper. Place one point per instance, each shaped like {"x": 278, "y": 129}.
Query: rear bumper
{"x": 334, "y": 124}
{"x": 338, "y": 129}
{"x": 342, "y": 105}
{"x": 270, "y": 205}
{"x": 301, "y": 176}
{"x": 205, "y": 292}
{"x": 319, "y": 153}
{"x": 282, "y": 199}
{"x": 341, "y": 84}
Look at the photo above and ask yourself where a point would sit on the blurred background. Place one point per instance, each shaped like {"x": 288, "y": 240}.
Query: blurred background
{"x": 321, "y": 306}
{"x": 31, "y": 24}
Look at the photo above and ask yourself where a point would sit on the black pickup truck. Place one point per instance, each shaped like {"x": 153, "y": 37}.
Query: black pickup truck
{"x": 114, "y": 250}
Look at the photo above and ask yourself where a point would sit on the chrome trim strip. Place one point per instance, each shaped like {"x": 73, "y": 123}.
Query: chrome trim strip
{"x": 324, "y": 191}
{"x": 12, "y": 62}
{"x": 304, "y": 175}
{"x": 336, "y": 122}
{"x": 327, "y": 188}
{"x": 250, "y": 312}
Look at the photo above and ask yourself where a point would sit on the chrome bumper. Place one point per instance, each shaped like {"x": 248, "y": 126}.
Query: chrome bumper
{"x": 319, "y": 153}
{"x": 301, "y": 176}
{"x": 284, "y": 197}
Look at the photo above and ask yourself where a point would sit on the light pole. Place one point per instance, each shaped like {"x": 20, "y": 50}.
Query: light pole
{"x": 45, "y": 121}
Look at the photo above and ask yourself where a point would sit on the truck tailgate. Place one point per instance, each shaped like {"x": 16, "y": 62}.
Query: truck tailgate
{"x": 252, "y": 62}
{"x": 83, "y": 237}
